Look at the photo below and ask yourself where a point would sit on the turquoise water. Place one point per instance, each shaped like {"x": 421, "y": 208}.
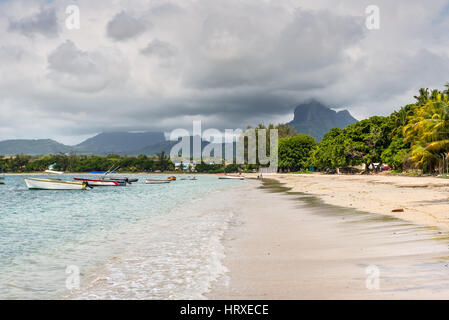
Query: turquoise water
{"x": 135, "y": 242}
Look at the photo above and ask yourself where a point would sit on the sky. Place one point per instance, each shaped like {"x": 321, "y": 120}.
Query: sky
{"x": 136, "y": 65}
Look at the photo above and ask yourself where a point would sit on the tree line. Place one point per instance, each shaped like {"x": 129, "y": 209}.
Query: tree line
{"x": 75, "y": 163}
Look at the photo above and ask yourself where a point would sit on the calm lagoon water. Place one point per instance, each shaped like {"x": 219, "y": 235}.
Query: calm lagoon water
{"x": 135, "y": 242}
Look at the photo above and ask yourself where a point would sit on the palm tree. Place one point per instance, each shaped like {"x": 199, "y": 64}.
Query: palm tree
{"x": 428, "y": 131}
{"x": 446, "y": 91}
{"x": 163, "y": 161}
{"x": 423, "y": 96}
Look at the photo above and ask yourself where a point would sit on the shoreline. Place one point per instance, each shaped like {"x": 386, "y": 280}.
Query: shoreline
{"x": 295, "y": 246}
{"x": 424, "y": 200}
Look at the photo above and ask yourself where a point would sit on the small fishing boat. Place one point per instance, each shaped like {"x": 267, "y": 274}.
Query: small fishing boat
{"x": 101, "y": 183}
{"x": 124, "y": 179}
{"x": 157, "y": 181}
{"x": 230, "y": 177}
{"x": 55, "y": 184}
{"x": 51, "y": 171}
{"x": 119, "y": 179}
{"x": 189, "y": 178}
{"x": 172, "y": 178}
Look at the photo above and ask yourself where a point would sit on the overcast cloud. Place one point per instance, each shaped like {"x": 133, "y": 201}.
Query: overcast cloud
{"x": 157, "y": 65}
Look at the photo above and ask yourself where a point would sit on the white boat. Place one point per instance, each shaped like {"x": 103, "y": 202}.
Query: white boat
{"x": 157, "y": 181}
{"x": 125, "y": 180}
{"x": 101, "y": 183}
{"x": 51, "y": 171}
{"x": 231, "y": 178}
{"x": 54, "y": 184}
{"x": 54, "y": 172}
{"x": 189, "y": 178}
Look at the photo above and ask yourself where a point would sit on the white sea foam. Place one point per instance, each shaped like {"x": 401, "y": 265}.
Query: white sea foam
{"x": 174, "y": 256}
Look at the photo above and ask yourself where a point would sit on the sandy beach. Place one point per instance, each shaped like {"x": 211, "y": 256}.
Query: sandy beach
{"x": 425, "y": 200}
{"x": 297, "y": 246}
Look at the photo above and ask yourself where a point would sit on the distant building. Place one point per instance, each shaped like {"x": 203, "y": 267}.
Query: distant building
{"x": 186, "y": 166}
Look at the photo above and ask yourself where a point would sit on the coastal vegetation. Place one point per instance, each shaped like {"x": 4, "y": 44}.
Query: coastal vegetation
{"x": 415, "y": 137}
{"x": 75, "y": 163}
{"x": 294, "y": 152}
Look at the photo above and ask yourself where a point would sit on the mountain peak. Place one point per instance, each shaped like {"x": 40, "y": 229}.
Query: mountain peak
{"x": 314, "y": 118}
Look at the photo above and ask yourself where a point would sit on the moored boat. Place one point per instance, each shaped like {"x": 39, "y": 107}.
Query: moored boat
{"x": 157, "y": 181}
{"x": 118, "y": 179}
{"x": 54, "y": 184}
{"x": 125, "y": 179}
{"x": 101, "y": 183}
{"x": 229, "y": 177}
{"x": 189, "y": 178}
{"x": 122, "y": 179}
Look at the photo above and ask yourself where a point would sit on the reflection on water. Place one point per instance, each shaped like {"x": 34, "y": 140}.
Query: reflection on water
{"x": 413, "y": 260}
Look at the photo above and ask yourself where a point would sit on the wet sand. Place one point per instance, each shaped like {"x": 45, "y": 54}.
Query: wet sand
{"x": 295, "y": 246}
{"x": 425, "y": 200}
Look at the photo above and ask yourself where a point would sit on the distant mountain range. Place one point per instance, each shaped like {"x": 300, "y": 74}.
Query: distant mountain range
{"x": 119, "y": 142}
{"x": 312, "y": 118}
{"x": 33, "y": 147}
{"x": 132, "y": 144}
{"x": 316, "y": 119}
{"x": 102, "y": 144}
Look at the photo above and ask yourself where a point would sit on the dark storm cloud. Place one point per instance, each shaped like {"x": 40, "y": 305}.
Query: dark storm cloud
{"x": 159, "y": 65}
{"x": 44, "y": 22}
{"x": 67, "y": 58}
{"x": 159, "y": 48}
{"x": 79, "y": 70}
{"x": 235, "y": 54}
{"x": 123, "y": 27}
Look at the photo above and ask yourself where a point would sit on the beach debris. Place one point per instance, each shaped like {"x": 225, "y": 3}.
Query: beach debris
{"x": 397, "y": 210}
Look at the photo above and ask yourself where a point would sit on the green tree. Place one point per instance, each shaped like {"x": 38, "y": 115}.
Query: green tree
{"x": 163, "y": 162}
{"x": 294, "y": 152}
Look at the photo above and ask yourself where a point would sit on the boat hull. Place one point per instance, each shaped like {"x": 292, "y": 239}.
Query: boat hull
{"x": 231, "y": 178}
{"x": 128, "y": 180}
{"x": 100, "y": 183}
{"x": 52, "y": 184}
{"x": 155, "y": 181}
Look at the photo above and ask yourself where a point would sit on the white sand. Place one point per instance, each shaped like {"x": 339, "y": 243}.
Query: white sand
{"x": 425, "y": 200}
{"x": 281, "y": 248}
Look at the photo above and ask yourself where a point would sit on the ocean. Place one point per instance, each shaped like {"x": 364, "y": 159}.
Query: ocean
{"x": 135, "y": 242}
